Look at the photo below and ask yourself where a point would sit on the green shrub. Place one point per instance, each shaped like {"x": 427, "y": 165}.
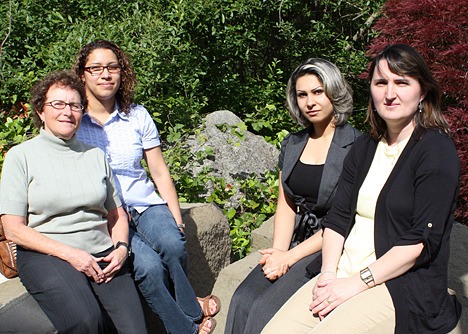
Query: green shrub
{"x": 191, "y": 58}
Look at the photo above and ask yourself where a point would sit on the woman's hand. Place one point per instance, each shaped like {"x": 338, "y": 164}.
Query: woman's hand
{"x": 86, "y": 263}
{"x": 275, "y": 262}
{"x": 323, "y": 280}
{"x": 116, "y": 259}
{"x": 328, "y": 293}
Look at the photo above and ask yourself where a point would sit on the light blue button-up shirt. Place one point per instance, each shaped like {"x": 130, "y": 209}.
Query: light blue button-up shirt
{"x": 123, "y": 138}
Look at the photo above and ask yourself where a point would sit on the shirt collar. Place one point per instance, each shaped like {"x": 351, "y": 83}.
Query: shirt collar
{"x": 117, "y": 111}
{"x": 113, "y": 116}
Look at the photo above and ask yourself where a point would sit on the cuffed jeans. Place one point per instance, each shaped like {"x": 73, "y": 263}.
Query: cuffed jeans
{"x": 74, "y": 303}
{"x": 160, "y": 260}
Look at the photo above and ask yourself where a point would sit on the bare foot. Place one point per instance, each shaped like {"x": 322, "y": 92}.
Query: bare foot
{"x": 207, "y": 325}
{"x": 210, "y": 305}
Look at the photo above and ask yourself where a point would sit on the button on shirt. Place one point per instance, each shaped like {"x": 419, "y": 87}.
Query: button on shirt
{"x": 123, "y": 139}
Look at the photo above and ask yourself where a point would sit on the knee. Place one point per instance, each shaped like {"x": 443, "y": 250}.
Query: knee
{"x": 76, "y": 320}
{"x": 174, "y": 249}
{"x": 147, "y": 266}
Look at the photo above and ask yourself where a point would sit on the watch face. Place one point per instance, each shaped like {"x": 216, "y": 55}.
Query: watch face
{"x": 366, "y": 276}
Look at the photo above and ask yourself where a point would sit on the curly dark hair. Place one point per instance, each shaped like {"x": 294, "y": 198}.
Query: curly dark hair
{"x": 403, "y": 60}
{"x": 126, "y": 90}
{"x": 63, "y": 79}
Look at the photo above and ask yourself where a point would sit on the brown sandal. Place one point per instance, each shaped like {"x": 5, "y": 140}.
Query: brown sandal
{"x": 206, "y": 305}
{"x": 205, "y": 319}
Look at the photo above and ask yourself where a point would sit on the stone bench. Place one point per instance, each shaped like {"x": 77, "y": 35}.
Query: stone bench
{"x": 231, "y": 276}
{"x": 209, "y": 249}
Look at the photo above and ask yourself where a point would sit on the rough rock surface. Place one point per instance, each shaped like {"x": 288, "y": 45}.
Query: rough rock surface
{"x": 236, "y": 156}
{"x": 237, "y": 153}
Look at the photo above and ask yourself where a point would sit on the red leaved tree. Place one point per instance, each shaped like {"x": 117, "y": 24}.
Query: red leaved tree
{"x": 438, "y": 31}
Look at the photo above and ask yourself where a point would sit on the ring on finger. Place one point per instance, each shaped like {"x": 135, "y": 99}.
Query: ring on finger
{"x": 268, "y": 271}
{"x": 329, "y": 301}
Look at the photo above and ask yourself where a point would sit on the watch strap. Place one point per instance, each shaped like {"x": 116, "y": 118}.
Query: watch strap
{"x": 122, "y": 243}
{"x": 367, "y": 277}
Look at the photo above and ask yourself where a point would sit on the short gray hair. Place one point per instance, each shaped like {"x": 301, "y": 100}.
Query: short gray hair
{"x": 336, "y": 88}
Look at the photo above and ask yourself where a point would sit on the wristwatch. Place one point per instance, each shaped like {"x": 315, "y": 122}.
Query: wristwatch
{"x": 121, "y": 243}
{"x": 367, "y": 277}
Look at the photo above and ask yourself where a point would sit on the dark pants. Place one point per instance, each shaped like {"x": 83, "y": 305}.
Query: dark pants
{"x": 257, "y": 299}
{"x": 76, "y": 304}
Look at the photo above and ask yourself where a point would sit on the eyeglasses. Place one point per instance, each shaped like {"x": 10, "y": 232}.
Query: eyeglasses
{"x": 97, "y": 70}
{"x": 59, "y": 105}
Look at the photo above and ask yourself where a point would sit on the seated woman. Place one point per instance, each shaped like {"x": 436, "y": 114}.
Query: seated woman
{"x": 386, "y": 240}
{"x": 320, "y": 99}
{"x": 59, "y": 204}
{"x": 127, "y": 134}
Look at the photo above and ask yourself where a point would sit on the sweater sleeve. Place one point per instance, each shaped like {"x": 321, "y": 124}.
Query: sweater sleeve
{"x": 14, "y": 184}
{"x": 436, "y": 171}
{"x": 113, "y": 199}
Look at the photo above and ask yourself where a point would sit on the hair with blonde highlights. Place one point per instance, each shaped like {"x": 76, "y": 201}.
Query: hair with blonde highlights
{"x": 334, "y": 84}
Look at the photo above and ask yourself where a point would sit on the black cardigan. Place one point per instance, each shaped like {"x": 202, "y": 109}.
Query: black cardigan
{"x": 415, "y": 205}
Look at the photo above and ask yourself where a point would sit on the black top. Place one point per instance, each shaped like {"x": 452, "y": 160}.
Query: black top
{"x": 309, "y": 214}
{"x": 305, "y": 181}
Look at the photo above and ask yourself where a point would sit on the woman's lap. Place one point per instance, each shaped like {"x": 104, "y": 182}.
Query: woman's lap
{"x": 257, "y": 299}
{"x": 371, "y": 311}
{"x": 157, "y": 227}
{"x": 70, "y": 300}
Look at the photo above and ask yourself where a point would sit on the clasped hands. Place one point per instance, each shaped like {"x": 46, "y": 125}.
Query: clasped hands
{"x": 275, "y": 263}
{"x": 330, "y": 291}
{"x": 89, "y": 265}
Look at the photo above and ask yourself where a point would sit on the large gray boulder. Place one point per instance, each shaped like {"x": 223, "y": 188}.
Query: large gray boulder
{"x": 237, "y": 153}
{"x": 208, "y": 244}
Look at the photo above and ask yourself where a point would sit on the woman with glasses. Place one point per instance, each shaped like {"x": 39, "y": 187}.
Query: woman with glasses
{"x": 60, "y": 205}
{"x": 127, "y": 134}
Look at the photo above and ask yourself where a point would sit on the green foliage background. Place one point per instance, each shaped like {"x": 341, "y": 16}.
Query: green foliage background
{"x": 192, "y": 57}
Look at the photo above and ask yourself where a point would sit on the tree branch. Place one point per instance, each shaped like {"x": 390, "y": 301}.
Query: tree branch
{"x": 363, "y": 29}
{"x": 5, "y": 39}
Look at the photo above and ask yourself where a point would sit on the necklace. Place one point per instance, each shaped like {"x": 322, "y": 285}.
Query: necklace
{"x": 392, "y": 152}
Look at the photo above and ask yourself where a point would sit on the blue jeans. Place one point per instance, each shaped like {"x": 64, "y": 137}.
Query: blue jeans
{"x": 160, "y": 260}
